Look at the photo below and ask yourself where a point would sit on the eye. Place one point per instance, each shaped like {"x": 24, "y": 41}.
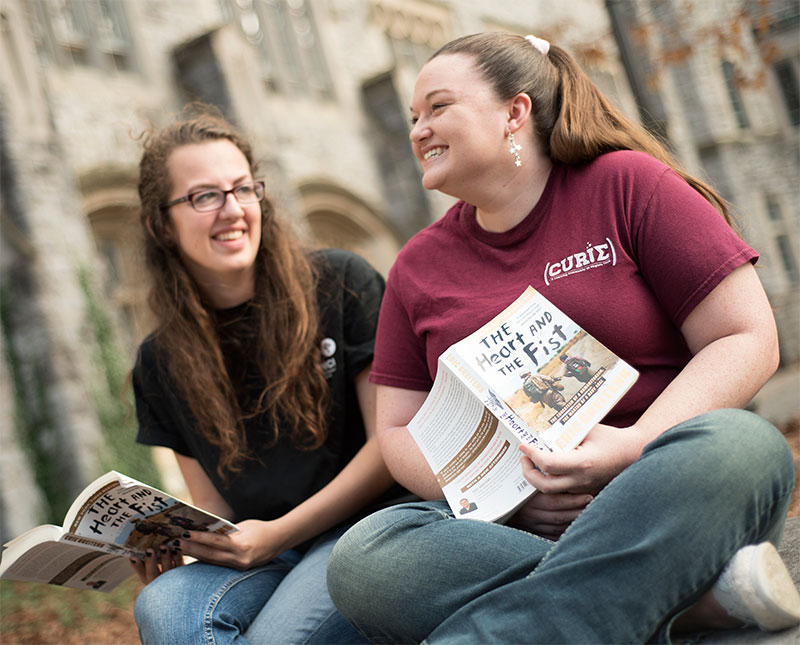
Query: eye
{"x": 438, "y": 106}
{"x": 205, "y": 198}
{"x": 414, "y": 120}
{"x": 245, "y": 190}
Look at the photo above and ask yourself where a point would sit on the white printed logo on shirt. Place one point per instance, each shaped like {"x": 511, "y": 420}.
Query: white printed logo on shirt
{"x": 328, "y": 349}
{"x": 595, "y": 255}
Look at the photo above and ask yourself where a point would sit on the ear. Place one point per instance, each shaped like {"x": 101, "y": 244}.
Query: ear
{"x": 519, "y": 109}
{"x": 165, "y": 239}
{"x": 148, "y": 224}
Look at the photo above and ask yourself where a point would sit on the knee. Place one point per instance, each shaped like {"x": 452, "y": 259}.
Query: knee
{"x": 732, "y": 441}
{"x": 347, "y": 563}
{"x": 162, "y": 609}
{"x": 372, "y": 552}
{"x": 148, "y": 610}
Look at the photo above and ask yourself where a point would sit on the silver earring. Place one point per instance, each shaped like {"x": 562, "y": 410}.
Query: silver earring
{"x": 514, "y": 149}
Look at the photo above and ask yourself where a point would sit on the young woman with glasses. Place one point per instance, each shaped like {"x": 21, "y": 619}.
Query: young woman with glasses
{"x": 256, "y": 376}
{"x": 625, "y": 540}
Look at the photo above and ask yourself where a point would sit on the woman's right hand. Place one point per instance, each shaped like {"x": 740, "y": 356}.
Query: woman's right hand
{"x": 154, "y": 563}
{"x": 255, "y": 543}
{"x": 567, "y": 481}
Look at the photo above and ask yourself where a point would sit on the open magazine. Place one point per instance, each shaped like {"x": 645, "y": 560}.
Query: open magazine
{"x": 529, "y": 375}
{"x": 115, "y": 517}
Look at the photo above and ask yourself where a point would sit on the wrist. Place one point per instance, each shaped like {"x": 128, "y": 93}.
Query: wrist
{"x": 641, "y": 436}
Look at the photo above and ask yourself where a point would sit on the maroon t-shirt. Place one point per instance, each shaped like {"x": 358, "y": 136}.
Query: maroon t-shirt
{"x": 622, "y": 245}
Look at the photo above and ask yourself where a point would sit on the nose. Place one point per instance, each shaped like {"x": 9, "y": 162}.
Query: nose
{"x": 419, "y": 131}
{"x": 231, "y": 207}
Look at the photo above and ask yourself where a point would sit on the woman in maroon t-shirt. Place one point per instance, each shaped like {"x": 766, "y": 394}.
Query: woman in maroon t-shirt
{"x": 628, "y": 537}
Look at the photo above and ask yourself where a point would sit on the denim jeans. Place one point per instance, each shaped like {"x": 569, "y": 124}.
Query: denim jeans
{"x": 645, "y": 549}
{"x": 285, "y": 601}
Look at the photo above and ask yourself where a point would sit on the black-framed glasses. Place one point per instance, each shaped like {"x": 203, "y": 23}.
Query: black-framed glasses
{"x": 210, "y": 199}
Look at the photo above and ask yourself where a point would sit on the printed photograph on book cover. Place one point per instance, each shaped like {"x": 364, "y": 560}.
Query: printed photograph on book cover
{"x": 550, "y": 373}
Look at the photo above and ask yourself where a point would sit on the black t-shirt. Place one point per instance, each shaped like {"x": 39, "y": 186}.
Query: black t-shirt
{"x": 349, "y": 296}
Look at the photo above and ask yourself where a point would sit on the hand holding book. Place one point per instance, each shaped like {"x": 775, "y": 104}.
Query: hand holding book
{"x": 530, "y": 376}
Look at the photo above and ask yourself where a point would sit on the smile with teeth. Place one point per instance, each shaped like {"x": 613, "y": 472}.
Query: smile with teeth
{"x": 433, "y": 152}
{"x": 230, "y": 235}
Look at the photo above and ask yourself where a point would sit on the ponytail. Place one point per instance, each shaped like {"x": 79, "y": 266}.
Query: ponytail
{"x": 574, "y": 121}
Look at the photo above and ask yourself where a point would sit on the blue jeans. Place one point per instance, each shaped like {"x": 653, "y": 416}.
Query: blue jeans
{"x": 285, "y": 601}
{"x": 648, "y": 546}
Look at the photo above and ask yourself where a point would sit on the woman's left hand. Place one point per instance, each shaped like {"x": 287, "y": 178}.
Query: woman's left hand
{"x": 255, "y": 543}
{"x": 157, "y": 561}
{"x": 549, "y": 515}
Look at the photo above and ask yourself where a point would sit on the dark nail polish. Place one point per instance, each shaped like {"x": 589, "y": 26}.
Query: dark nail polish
{"x": 186, "y": 535}
{"x": 176, "y": 543}
{"x": 162, "y": 548}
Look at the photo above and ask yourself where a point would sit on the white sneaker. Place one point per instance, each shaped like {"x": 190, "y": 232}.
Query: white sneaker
{"x": 756, "y": 587}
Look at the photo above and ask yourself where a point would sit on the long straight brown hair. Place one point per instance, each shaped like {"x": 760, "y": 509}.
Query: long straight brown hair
{"x": 574, "y": 120}
{"x": 285, "y": 303}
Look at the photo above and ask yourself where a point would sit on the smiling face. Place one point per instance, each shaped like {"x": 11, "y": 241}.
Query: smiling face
{"x": 218, "y": 247}
{"x": 459, "y": 127}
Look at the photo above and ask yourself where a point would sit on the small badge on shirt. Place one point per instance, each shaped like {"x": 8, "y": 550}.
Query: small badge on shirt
{"x": 328, "y": 349}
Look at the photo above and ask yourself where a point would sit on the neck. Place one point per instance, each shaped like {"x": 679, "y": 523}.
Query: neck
{"x": 508, "y": 206}
{"x": 224, "y": 294}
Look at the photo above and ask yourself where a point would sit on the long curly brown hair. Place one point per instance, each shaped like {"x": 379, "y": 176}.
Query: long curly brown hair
{"x": 285, "y": 302}
{"x": 574, "y": 120}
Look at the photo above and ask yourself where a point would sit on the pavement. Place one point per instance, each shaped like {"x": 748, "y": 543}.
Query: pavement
{"x": 779, "y": 399}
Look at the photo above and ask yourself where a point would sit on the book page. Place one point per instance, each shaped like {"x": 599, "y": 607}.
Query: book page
{"x": 69, "y": 566}
{"x": 474, "y": 457}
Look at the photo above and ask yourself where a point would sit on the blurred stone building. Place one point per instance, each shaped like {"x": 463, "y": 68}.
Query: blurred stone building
{"x": 322, "y": 87}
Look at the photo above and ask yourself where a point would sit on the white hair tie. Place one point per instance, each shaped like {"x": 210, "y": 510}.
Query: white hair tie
{"x": 539, "y": 43}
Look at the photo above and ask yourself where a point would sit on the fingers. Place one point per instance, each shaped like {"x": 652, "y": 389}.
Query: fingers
{"x": 547, "y": 481}
{"x": 549, "y": 515}
{"x": 138, "y": 566}
{"x": 562, "y": 502}
{"x": 155, "y": 562}
{"x": 552, "y": 463}
{"x": 210, "y": 548}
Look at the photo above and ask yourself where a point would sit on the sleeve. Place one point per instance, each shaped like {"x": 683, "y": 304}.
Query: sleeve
{"x": 154, "y": 399}
{"x": 361, "y": 302}
{"x": 684, "y": 247}
{"x": 400, "y": 357}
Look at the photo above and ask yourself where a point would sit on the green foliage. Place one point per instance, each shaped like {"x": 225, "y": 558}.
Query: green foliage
{"x": 113, "y": 398}
{"x": 33, "y": 417}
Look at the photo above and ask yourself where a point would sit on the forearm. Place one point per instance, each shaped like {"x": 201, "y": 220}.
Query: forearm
{"x": 734, "y": 345}
{"x": 407, "y": 463}
{"x": 726, "y": 373}
{"x": 360, "y": 482}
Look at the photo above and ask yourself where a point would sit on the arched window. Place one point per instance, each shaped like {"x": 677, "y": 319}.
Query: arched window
{"x": 111, "y": 206}
{"x": 338, "y": 219}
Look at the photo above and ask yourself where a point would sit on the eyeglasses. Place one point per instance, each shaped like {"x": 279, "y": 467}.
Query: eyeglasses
{"x": 210, "y": 199}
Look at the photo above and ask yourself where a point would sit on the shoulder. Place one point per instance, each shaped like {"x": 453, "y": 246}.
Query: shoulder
{"x": 150, "y": 370}
{"x": 147, "y": 354}
{"x": 344, "y": 268}
{"x": 626, "y": 177}
{"x": 627, "y": 162}
{"x": 619, "y": 168}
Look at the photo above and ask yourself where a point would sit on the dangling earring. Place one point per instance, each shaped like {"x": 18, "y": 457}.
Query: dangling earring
{"x": 514, "y": 149}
